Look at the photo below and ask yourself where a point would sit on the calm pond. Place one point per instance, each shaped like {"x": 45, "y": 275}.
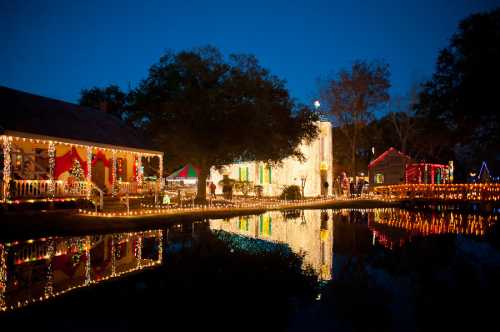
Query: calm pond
{"x": 379, "y": 269}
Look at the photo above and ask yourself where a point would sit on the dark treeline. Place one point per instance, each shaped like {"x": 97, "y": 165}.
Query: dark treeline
{"x": 452, "y": 116}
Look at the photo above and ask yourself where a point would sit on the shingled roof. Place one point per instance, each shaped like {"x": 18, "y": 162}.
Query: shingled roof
{"x": 29, "y": 113}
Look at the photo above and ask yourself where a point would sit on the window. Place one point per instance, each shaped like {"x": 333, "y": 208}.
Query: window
{"x": 121, "y": 169}
{"x": 378, "y": 178}
{"x": 243, "y": 173}
{"x": 265, "y": 176}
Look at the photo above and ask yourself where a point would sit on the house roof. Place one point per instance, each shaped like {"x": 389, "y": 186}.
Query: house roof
{"x": 28, "y": 113}
{"x": 391, "y": 150}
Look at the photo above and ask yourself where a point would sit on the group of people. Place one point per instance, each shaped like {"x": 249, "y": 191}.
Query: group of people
{"x": 345, "y": 187}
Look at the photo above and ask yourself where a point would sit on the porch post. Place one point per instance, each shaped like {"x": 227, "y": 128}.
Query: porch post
{"x": 6, "y": 167}
{"x": 52, "y": 166}
{"x": 114, "y": 184}
{"x": 89, "y": 170}
{"x": 160, "y": 178}
{"x": 139, "y": 170}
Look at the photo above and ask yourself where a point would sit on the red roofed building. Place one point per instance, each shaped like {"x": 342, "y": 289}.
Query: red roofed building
{"x": 388, "y": 168}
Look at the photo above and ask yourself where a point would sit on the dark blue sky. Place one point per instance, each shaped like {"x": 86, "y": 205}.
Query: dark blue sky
{"x": 56, "y": 48}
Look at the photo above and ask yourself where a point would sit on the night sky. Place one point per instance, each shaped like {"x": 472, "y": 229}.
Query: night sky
{"x": 56, "y": 48}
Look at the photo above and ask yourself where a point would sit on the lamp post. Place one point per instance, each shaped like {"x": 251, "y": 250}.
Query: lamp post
{"x": 317, "y": 104}
{"x": 303, "y": 179}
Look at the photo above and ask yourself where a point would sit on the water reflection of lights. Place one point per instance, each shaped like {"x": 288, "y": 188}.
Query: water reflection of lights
{"x": 67, "y": 263}
{"x": 424, "y": 224}
{"x": 309, "y": 233}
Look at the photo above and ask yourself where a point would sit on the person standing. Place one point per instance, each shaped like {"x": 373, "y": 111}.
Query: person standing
{"x": 212, "y": 189}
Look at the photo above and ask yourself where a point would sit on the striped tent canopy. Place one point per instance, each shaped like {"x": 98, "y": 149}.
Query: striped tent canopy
{"x": 188, "y": 171}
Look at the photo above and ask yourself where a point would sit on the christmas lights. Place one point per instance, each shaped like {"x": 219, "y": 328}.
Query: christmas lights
{"x": 417, "y": 223}
{"x": 7, "y": 147}
{"x": 446, "y": 192}
{"x": 47, "y": 187}
{"x": 113, "y": 256}
{"x": 160, "y": 166}
{"x": 270, "y": 204}
{"x": 45, "y": 249}
{"x": 3, "y": 276}
{"x": 139, "y": 175}
{"x": 88, "y": 267}
{"x": 114, "y": 183}
{"x": 49, "y": 286}
{"x": 52, "y": 165}
{"x": 138, "y": 251}
{"x": 89, "y": 169}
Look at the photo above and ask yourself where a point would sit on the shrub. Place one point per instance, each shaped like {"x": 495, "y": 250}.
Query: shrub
{"x": 245, "y": 187}
{"x": 258, "y": 189}
{"x": 291, "y": 192}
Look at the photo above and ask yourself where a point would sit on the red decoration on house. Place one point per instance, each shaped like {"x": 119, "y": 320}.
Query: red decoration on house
{"x": 426, "y": 173}
{"x": 107, "y": 163}
{"x": 65, "y": 162}
{"x": 101, "y": 156}
{"x": 384, "y": 155}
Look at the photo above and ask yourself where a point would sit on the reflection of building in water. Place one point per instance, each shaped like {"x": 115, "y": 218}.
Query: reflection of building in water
{"x": 384, "y": 223}
{"x": 36, "y": 270}
{"x": 308, "y": 232}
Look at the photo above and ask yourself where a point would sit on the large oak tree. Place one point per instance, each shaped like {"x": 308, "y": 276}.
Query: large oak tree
{"x": 112, "y": 98}
{"x": 203, "y": 108}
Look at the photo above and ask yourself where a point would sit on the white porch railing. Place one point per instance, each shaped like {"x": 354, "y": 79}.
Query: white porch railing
{"x": 127, "y": 187}
{"x": 40, "y": 188}
{"x": 133, "y": 187}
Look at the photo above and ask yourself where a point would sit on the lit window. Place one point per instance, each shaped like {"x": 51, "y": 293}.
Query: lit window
{"x": 243, "y": 173}
{"x": 378, "y": 178}
{"x": 265, "y": 176}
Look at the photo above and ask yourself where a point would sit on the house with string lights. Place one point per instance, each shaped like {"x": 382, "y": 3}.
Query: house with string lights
{"x": 394, "y": 167}
{"x": 310, "y": 175}
{"x": 388, "y": 168}
{"x": 55, "y": 149}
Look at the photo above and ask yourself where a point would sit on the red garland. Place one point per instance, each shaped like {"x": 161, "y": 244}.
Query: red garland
{"x": 65, "y": 162}
{"x": 101, "y": 156}
{"x": 107, "y": 163}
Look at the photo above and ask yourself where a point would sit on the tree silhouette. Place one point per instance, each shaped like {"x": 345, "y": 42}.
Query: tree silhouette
{"x": 210, "y": 111}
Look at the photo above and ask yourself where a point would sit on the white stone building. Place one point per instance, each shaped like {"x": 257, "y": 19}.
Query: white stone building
{"x": 315, "y": 170}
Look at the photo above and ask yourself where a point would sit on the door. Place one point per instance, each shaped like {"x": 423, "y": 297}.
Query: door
{"x": 98, "y": 174}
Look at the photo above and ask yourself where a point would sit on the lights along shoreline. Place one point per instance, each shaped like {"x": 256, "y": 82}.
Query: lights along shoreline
{"x": 151, "y": 210}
